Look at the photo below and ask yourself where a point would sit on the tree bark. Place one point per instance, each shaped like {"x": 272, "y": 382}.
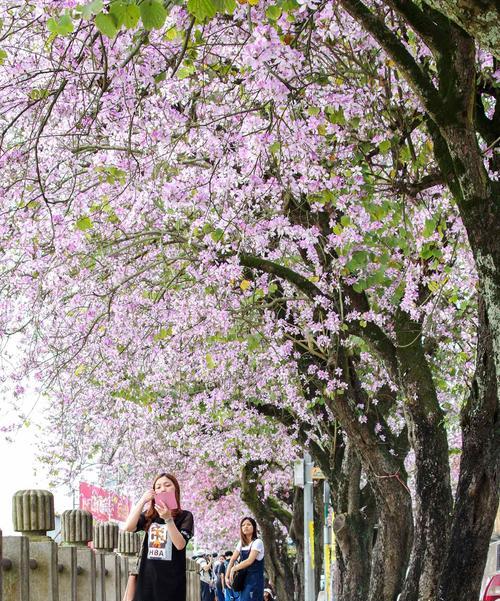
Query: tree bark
{"x": 477, "y": 496}
{"x": 354, "y": 533}
{"x": 479, "y": 18}
{"x": 427, "y": 433}
{"x": 319, "y": 523}
{"x": 279, "y": 565}
{"x": 386, "y": 476}
{"x": 297, "y": 535}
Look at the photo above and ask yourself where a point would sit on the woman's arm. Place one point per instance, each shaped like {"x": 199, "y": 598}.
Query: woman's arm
{"x": 135, "y": 512}
{"x": 248, "y": 562}
{"x": 177, "y": 539}
{"x": 230, "y": 565}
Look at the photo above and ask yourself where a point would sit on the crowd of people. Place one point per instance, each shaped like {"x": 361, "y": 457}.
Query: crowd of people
{"x": 160, "y": 574}
{"x": 213, "y": 569}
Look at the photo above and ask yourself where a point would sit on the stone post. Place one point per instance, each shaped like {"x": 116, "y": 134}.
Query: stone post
{"x": 76, "y": 527}
{"x": 16, "y": 568}
{"x": 78, "y": 578}
{"x": 193, "y": 586}
{"x": 129, "y": 544}
{"x": 33, "y": 515}
{"x": 107, "y": 569}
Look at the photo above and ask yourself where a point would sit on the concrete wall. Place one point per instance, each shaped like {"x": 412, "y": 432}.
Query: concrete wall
{"x": 35, "y": 568}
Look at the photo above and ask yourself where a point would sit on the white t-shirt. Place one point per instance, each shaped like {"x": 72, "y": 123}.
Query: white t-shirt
{"x": 257, "y": 545}
{"x": 204, "y": 573}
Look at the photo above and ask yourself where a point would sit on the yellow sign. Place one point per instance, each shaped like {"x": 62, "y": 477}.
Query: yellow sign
{"x": 311, "y": 541}
{"x": 317, "y": 474}
{"x": 328, "y": 562}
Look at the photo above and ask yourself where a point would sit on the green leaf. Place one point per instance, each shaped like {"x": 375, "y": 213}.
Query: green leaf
{"x": 171, "y": 34}
{"x": 384, "y": 146}
{"x": 359, "y": 259}
{"x": 160, "y": 77}
{"x": 202, "y": 9}
{"x": 83, "y": 223}
{"x": 38, "y": 93}
{"x": 163, "y": 333}
{"x": 429, "y": 227}
{"x": 153, "y": 14}
{"x": 275, "y": 147}
{"x": 185, "y": 71}
{"x": 253, "y": 342}
{"x": 210, "y": 361}
{"x": 230, "y": 6}
{"x": 290, "y": 5}
{"x": 117, "y": 10}
{"x": 360, "y": 286}
{"x": 63, "y": 26}
{"x": 3, "y": 56}
{"x": 217, "y": 235}
{"x": 273, "y": 12}
{"x": 106, "y": 24}
{"x": 131, "y": 15}
{"x": 335, "y": 116}
{"x": 90, "y": 9}
{"x": 429, "y": 250}
{"x": 80, "y": 370}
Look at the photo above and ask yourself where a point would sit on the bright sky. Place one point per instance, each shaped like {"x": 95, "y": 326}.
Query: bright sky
{"x": 18, "y": 463}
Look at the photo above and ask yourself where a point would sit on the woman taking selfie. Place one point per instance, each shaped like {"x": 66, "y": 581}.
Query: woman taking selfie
{"x": 168, "y": 528}
{"x": 250, "y": 550}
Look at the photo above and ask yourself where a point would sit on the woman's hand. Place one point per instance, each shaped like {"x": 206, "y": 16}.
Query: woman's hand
{"x": 163, "y": 511}
{"x": 147, "y": 496}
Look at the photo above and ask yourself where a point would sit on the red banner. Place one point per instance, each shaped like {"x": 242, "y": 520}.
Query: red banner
{"x": 103, "y": 504}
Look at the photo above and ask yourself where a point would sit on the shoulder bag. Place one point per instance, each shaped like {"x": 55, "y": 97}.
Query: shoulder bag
{"x": 240, "y": 576}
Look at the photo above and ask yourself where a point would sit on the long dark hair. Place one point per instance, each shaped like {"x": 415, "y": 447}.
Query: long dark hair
{"x": 151, "y": 513}
{"x": 254, "y": 533}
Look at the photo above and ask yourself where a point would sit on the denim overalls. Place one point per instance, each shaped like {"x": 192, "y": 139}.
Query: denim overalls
{"x": 254, "y": 581}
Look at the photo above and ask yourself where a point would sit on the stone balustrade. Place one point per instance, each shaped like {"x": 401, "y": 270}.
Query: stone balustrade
{"x": 33, "y": 567}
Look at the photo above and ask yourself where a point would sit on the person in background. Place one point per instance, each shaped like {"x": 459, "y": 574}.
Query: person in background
{"x": 205, "y": 567}
{"x": 229, "y": 594}
{"x": 219, "y": 572}
{"x": 213, "y": 577}
{"x": 162, "y": 570}
{"x": 268, "y": 595}
{"x": 250, "y": 550}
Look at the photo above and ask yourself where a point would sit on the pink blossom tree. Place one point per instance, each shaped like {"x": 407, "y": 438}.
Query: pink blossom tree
{"x": 270, "y": 210}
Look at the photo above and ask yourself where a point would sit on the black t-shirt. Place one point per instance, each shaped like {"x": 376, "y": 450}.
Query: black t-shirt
{"x": 220, "y": 571}
{"x": 162, "y": 573}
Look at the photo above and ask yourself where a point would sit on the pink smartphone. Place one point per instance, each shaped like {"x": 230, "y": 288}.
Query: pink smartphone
{"x": 167, "y": 498}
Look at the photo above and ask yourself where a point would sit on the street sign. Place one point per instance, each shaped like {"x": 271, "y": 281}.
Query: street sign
{"x": 317, "y": 474}
{"x": 299, "y": 473}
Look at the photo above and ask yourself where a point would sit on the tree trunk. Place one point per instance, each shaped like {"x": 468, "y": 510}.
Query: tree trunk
{"x": 385, "y": 475}
{"x": 479, "y": 18}
{"x": 480, "y": 211}
{"x": 427, "y": 433}
{"x": 353, "y": 532}
{"x": 279, "y": 565}
{"x": 477, "y": 494}
{"x": 319, "y": 523}
{"x": 297, "y": 535}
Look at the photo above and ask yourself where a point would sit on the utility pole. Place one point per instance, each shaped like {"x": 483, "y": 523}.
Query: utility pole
{"x": 303, "y": 477}
{"x": 309, "y": 588}
{"x": 327, "y": 542}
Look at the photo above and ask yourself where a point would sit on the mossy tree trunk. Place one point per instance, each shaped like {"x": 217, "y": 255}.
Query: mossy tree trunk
{"x": 269, "y": 511}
